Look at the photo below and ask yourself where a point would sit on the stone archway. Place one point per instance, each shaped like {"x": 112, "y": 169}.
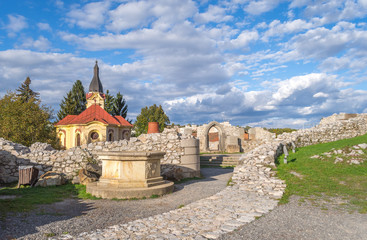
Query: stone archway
{"x": 221, "y": 134}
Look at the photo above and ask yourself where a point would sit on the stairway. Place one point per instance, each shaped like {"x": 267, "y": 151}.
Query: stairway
{"x": 219, "y": 160}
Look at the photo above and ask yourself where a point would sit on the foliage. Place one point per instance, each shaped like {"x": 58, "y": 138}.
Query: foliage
{"x": 25, "y": 93}
{"x": 116, "y": 106}
{"x": 109, "y": 102}
{"x": 26, "y": 122}
{"x": 152, "y": 114}
{"x": 120, "y": 106}
{"x": 323, "y": 178}
{"x": 279, "y": 131}
{"x": 75, "y": 101}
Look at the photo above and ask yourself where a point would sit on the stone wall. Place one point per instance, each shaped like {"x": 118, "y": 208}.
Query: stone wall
{"x": 258, "y": 133}
{"x": 45, "y": 158}
{"x": 333, "y": 128}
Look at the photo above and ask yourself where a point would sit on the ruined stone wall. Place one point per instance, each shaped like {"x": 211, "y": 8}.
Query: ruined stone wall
{"x": 69, "y": 161}
{"x": 330, "y": 129}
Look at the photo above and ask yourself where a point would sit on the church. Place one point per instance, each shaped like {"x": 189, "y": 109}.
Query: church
{"x": 94, "y": 124}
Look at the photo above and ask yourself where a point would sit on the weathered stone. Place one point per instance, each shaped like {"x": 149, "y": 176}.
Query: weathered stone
{"x": 51, "y": 178}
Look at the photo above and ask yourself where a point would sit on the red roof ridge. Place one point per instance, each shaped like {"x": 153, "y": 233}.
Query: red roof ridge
{"x": 94, "y": 113}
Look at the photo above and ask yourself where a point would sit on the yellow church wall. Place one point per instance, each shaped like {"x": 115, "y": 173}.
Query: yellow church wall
{"x": 68, "y": 133}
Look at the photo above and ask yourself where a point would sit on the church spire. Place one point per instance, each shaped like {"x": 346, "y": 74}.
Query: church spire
{"x": 96, "y": 85}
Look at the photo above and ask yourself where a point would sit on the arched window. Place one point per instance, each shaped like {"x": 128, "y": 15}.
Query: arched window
{"x": 78, "y": 139}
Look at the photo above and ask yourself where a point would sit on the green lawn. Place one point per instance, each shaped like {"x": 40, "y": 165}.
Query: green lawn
{"x": 322, "y": 179}
{"x": 27, "y": 198}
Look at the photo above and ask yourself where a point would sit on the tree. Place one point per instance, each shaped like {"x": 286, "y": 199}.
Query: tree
{"x": 109, "y": 102}
{"x": 25, "y": 93}
{"x": 26, "y": 122}
{"x": 151, "y": 114}
{"x": 116, "y": 106}
{"x": 75, "y": 101}
{"x": 120, "y": 106}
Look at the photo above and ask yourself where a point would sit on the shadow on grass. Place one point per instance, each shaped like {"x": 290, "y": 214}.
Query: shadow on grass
{"x": 41, "y": 205}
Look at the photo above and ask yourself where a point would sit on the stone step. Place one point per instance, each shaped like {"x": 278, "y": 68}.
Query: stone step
{"x": 219, "y": 160}
{"x": 216, "y": 161}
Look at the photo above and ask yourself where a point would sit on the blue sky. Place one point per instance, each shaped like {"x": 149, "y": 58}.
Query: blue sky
{"x": 261, "y": 63}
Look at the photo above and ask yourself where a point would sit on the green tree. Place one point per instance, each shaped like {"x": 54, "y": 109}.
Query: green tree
{"x": 25, "y": 93}
{"x": 109, "y": 102}
{"x": 120, "y": 106}
{"x": 26, "y": 122}
{"x": 116, "y": 106}
{"x": 152, "y": 114}
{"x": 75, "y": 101}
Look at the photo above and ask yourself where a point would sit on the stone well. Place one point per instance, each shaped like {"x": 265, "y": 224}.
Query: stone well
{"x": 130, "y": 175}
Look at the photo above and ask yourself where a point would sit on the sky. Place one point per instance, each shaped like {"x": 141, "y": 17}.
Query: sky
{"x": 269, "y": 63}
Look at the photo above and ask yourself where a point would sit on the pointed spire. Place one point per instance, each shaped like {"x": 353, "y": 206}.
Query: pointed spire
{"x": 96, "y": 85}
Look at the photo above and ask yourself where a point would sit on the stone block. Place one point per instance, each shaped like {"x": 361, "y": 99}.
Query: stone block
{"x": 191, "y": 151}
{"x": 190, "y": 142}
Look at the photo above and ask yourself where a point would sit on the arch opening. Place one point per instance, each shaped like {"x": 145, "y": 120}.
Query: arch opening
{"x": 212, "y": 136}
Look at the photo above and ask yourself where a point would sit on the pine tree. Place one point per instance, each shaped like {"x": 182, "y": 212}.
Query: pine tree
{"x": 120, "y": 106}
{"x": 79, "y": 97}
{"x": 109, "y": 103}
{"x": 25, "y": 93}
{"x": 74, "y": 103}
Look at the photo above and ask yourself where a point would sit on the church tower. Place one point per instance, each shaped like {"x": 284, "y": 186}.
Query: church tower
{"x": 95, "y": 95}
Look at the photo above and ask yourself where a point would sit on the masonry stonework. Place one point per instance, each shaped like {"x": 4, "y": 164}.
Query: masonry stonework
{"x": 45, "y": 158}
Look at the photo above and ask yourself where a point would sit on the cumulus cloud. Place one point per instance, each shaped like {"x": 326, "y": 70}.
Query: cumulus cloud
{"x": 41, "y": 43}
{"x": 91, "y": 15}
{"x": 16, "y": 24}
{"x": 214, "y": 14}
{"x": 278, "y": 29}
{"x": 44, "y": 26}
{"x": 321, "y": 43}
{"x": 244, "y": 39}
{"x": 161, "y": 14}
{"x": 261, "y": 6}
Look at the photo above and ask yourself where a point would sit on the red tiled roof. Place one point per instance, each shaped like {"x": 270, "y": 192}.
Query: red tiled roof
{"x": 66, "y": 120}
{"x": 94, "y": 113}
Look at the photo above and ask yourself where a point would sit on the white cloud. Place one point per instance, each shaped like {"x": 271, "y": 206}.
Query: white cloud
{"x": 244, "y": 39}
{"x": 320, "y": 95}
{"x": 91, "y": 15}
{"x": 129, "y": 15}
{"x": 41, "y": 43}
{"x": 321, "y": 43}
{"x": 214, "y": 14}
{"x": 261, "y": 6}
{"x": 44, "y": 26}
{"x": 160, "y": 14}
{"x": 278, "y": 29}
{"x": 16, "y": 24}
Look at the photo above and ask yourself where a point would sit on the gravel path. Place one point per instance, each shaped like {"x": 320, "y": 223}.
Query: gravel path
{"x": 304, "y": 221}
{"x": 75, "y": 216}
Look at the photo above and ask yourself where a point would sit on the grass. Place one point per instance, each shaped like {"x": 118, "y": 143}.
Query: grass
{"x": 26, "y": 198}
{"x": 322, "y": 179}
{"x": 230, "y": 182}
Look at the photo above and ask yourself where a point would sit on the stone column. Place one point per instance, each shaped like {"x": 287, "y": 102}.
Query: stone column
{"x": 190, "y": 161}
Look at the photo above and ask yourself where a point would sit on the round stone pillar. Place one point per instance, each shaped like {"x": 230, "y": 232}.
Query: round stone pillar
{"x": 190, "y": 161}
